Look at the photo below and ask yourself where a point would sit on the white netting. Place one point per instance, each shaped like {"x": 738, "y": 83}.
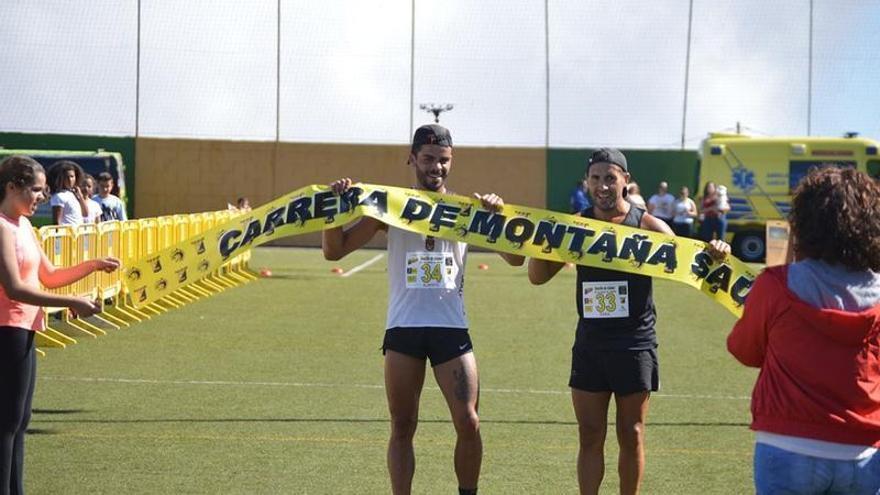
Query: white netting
{"x": 616, "y": 71}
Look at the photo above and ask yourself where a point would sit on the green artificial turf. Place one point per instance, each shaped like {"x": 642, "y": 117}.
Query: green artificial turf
{"x": 276, "y": 387}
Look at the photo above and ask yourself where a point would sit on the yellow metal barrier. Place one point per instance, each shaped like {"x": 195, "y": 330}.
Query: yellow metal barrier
{"x": 239, "y": 264}
{"x": 205, "y": 222}
{"x": 85, "y": 249}
{"x": 195, "y": 222}
{"x": 59, "y": 244}
{"x": 128, "y": 241}
{"x": 109, "y": 245}
{"x": 183, "y": 230}
{"x": 149, "y": 245}
{"x": 230, "y": 272}
{"x": 51, "y": 337}
{"x": 165, "y": 231}
{"x": 130, "y": 237}
{"x": 109, "y": 285}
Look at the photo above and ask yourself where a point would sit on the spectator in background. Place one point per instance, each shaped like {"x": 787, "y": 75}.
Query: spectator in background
{"x": 87, "y": 187}
{"x": 813, "y": 328}
{"x": 661, "y": 204}
{"x": 634, "y": 195}
{"x": 685, "y": 213}
{"x": 242, "y": 204}
{"x": 68, "y": 204}
{"x": 578, "y": 200}
{"x": 112, "y": 208}
{"x": 714, "y": 214}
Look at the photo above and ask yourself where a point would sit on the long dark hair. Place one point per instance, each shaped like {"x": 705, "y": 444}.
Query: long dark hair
{"x": 834, "y": 218}
{"x": 18, "y": 170}
{"x": 58, "y": 174}
{"x": 706, "y": 188}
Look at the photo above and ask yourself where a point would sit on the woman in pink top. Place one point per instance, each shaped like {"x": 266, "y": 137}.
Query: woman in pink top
{"x": 23, "y": 266}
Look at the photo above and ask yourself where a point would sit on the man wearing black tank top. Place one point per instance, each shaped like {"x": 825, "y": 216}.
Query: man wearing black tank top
{"x": 615, "y": 344}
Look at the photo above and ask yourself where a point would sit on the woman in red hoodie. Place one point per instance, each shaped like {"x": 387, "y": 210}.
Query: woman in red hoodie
{"x": 813, "y": 327}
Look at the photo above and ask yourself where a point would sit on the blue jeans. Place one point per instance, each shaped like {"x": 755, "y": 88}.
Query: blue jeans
{"x": 779, "y": 471}
{"x": 713, "y": 226}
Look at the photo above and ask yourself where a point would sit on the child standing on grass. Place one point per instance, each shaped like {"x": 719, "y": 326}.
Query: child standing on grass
{"x": 112, "y": 208}
{"x": 68, "y": 204}
{"x": 93, "y": 213}
{"x": 23, "y": 267}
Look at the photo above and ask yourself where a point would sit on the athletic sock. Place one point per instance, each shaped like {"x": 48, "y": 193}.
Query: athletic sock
{"x": 467, "y": 491}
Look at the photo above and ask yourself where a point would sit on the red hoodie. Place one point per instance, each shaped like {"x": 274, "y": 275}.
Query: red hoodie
{"x": 820, "y": 368}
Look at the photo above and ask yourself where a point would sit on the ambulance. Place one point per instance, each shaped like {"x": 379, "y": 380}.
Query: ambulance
{"x": 762, "y": 172}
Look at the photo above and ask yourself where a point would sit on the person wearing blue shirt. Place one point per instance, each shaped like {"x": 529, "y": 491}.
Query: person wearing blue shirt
{"x": 112, "y": 208}
{"x": 578, "y": 200}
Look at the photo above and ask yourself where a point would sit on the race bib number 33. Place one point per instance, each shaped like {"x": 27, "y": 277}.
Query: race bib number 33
{"x": 605, "y": 299}
{"x": 425, "y": 270}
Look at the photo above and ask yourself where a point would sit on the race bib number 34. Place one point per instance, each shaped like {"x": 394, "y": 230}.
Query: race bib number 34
{"x": 605, "y": 299}
{"x": 425, "y": 270}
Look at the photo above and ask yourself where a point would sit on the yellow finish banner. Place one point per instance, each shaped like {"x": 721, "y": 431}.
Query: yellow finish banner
{"x": 532, "y": 232}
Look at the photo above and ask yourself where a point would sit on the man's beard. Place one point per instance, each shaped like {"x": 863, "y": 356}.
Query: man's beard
{"x": 606, "y": 204}
{"x": 431, "y": 183}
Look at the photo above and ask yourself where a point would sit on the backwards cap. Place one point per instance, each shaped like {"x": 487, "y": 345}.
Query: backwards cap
{"x": 608, "y": 155}
{"x": 431, "y": 134}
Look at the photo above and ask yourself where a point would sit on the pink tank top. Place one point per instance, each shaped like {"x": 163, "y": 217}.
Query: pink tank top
{"x": 28, "y": 255}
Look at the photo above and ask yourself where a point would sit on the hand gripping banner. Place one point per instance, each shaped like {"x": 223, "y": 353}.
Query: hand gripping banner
{"x": 531, "y": 232}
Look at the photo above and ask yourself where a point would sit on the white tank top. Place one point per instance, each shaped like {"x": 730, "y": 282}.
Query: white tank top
{"x": 425, "y": 281}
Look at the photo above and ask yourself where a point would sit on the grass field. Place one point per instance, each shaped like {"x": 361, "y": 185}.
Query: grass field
{"x": 276, "y": 387}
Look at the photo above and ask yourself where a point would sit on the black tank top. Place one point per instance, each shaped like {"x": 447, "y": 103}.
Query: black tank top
{"x": 620, "y": 306}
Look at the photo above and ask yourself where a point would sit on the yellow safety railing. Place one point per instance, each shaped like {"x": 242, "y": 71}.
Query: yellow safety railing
{"x": 85, "y": 244}
{"x": 130, "y": 249}
{"x": 149, "y": 245}
{"x": 51, "y": 337}
{"x": 128, "y": 241}
{"x": 109, "y": 285}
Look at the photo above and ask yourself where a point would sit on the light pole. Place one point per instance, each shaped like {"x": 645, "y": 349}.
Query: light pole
{"x": 436, "y": 109}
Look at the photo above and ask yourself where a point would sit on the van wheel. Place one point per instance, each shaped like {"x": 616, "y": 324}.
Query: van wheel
{"x": 750, "y": 246}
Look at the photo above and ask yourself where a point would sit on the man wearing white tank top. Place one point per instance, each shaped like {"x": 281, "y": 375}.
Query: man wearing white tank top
{"x": 426, "y": 318}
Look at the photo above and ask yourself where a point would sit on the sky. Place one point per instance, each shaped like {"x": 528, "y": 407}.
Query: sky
{"x": 563, "y": 73}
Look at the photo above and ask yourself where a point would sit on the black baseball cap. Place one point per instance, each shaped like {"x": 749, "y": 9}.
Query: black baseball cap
{"x": 608, "y": 155}
{"x": 431, "y": 134}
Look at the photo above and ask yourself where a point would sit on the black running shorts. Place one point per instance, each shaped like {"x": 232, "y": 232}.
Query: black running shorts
{"x": 437, "y": 344}
{"x": 620, "y": 372}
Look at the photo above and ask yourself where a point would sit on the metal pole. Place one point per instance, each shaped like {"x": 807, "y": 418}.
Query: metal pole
{"x": 137, "y": 76}
{"x": 278, "y": 74}
{"x": 547, "y": 73}
{"x": 810, "y": 77}
{"x": 412, "y": 69}
{"x": 687, "y": 73}
{"x": 274, "y": 163}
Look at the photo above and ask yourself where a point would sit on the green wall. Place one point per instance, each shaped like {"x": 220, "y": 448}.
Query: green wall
{"x": 565, "y": 167}
{"x": 71, "y": 142}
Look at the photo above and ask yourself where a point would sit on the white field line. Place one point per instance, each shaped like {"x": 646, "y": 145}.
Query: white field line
{"x": 349, "y": 386}
{"x": 363, "y": 265}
